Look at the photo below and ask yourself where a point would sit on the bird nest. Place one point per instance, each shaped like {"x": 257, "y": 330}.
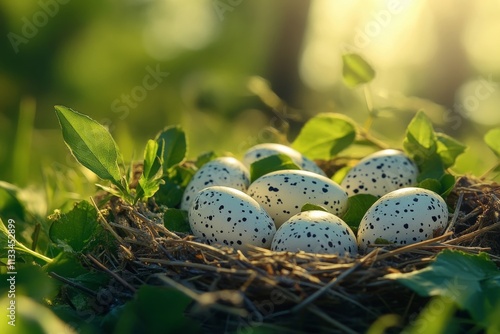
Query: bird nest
{"x": 285, "y": 291}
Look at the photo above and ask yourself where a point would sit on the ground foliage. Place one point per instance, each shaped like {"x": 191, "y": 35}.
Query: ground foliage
{"x": 125, "y": 261}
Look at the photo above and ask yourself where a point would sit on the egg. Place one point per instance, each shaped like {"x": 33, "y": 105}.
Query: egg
{"x": 261, "y": 151}
{"x": 403, "y": 217}
{"x": 315, "y": 232}
{"x": 380, "y": 173}
{"x": 226, "y": 216}
{"x": 224, "y": 171}
{"x": 311, "y": 166}
{"x": 283, "y": 193}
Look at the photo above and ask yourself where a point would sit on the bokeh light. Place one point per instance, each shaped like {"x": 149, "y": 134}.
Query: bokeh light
{"x": 172, "y": 27}
{"x": 94, "y": 55}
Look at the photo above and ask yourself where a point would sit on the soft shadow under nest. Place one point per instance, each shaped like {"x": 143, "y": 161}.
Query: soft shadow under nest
{"x": 292, "y": 292}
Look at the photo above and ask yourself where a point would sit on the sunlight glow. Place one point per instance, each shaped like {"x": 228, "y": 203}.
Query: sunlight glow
{"x": 480, "y": 39}
{"x": 175, "y": 26}
{"x": 393, "y": 34}
{"x": 478, "y": 100}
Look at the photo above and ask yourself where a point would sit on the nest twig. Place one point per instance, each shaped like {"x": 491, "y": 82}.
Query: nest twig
{"x": 278, "y": 289}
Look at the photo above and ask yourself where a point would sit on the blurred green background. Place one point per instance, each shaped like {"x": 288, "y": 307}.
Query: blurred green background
{"x": 233, "y": 73}
{"x": 228, "y": 70}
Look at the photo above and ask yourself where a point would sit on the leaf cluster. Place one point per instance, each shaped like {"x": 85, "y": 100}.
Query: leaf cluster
{"x": 94, "y": 147}
{"x": 433, "y": 152}
{"x": 165, "y": 172}
{"x": 458, "y": 281}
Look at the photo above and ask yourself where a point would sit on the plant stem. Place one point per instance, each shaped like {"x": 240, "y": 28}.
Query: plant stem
{"x": 369, "y": 107}
{"x": 23, "y": 248}
{"x": 366, "y": 135}
{"x": 36, "y": 233}
{"x": 20, "y": 247}
{"x": 490, "y": 170}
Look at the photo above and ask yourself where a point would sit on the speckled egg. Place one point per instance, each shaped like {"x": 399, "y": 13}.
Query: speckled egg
{"x": 403, "y": 217}
{"x": 315, "y": 232}
{"x": 283, "y": 193}
{"x": 311, "y": 166}
{"x": 224, "y": 171}
{"x": 226, "y": 216}
{"x": 380, "y": 173}
{"x": 261, "y": 151}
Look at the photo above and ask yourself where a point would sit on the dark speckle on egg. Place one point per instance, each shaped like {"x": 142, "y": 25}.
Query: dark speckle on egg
{"x": 223, "y": 171}
{"x": 315, "y": 232}
{"x": 239, "y": 222}
{"x": 403, "y": 216}
{"x": 383, "y": 171}
{"x": 283, "y": 193}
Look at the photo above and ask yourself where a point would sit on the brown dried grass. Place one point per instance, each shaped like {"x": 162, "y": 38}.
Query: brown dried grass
{"x": 289, "y": 292}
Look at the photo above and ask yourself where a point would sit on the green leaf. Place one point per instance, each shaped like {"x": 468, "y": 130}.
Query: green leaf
{"x": 430, "y": 168}
{"x": 69, "y": 315}
{"x": 420, "y": 139}
{"x": 156, "y": 310}
{"x": 357, "y": 206}
{"x": 430, "y": 184}
{"x": 204, "y": 158}
{"x": 32, "y": 281}
{"x": 447, "y": 184}
{"x": 442, "y": 186}
{"x": 432, "y": 152}
{"x": 182, "y": 175}
{"x": 312, "y": 207}
{"x": 271, "y": 164}
{"x": 169, "y": 193}
{"x": 429, "y": 321}
{"x": 91, "y": 144}
{"x": 174, "y": 146}
{"x": 152, "y": 161}
{"x": 93, "y": 280}
{"x": 114, "y": 192}
{"x": 471, "y": 281}
{"x": 76, "y": 227}
{"x": 382, "y": 241}
{"x": 175, "y": 182}
{"x": 448, "y": 149}
{"x": 10, "y": 203}
{"x": 66, "y": 264}
{"x": 150, "y": 180}
{"x": 356, "y": 70}
{"x": 325, "y": 135}
{"x": 491, "y": 303}
{"x": 492, "y": 139}
{"x": 340, "y": 174}
{"x": 33, "y": 318}
{"x": 147, "y": 188}
{"x": 176, "y": 220}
